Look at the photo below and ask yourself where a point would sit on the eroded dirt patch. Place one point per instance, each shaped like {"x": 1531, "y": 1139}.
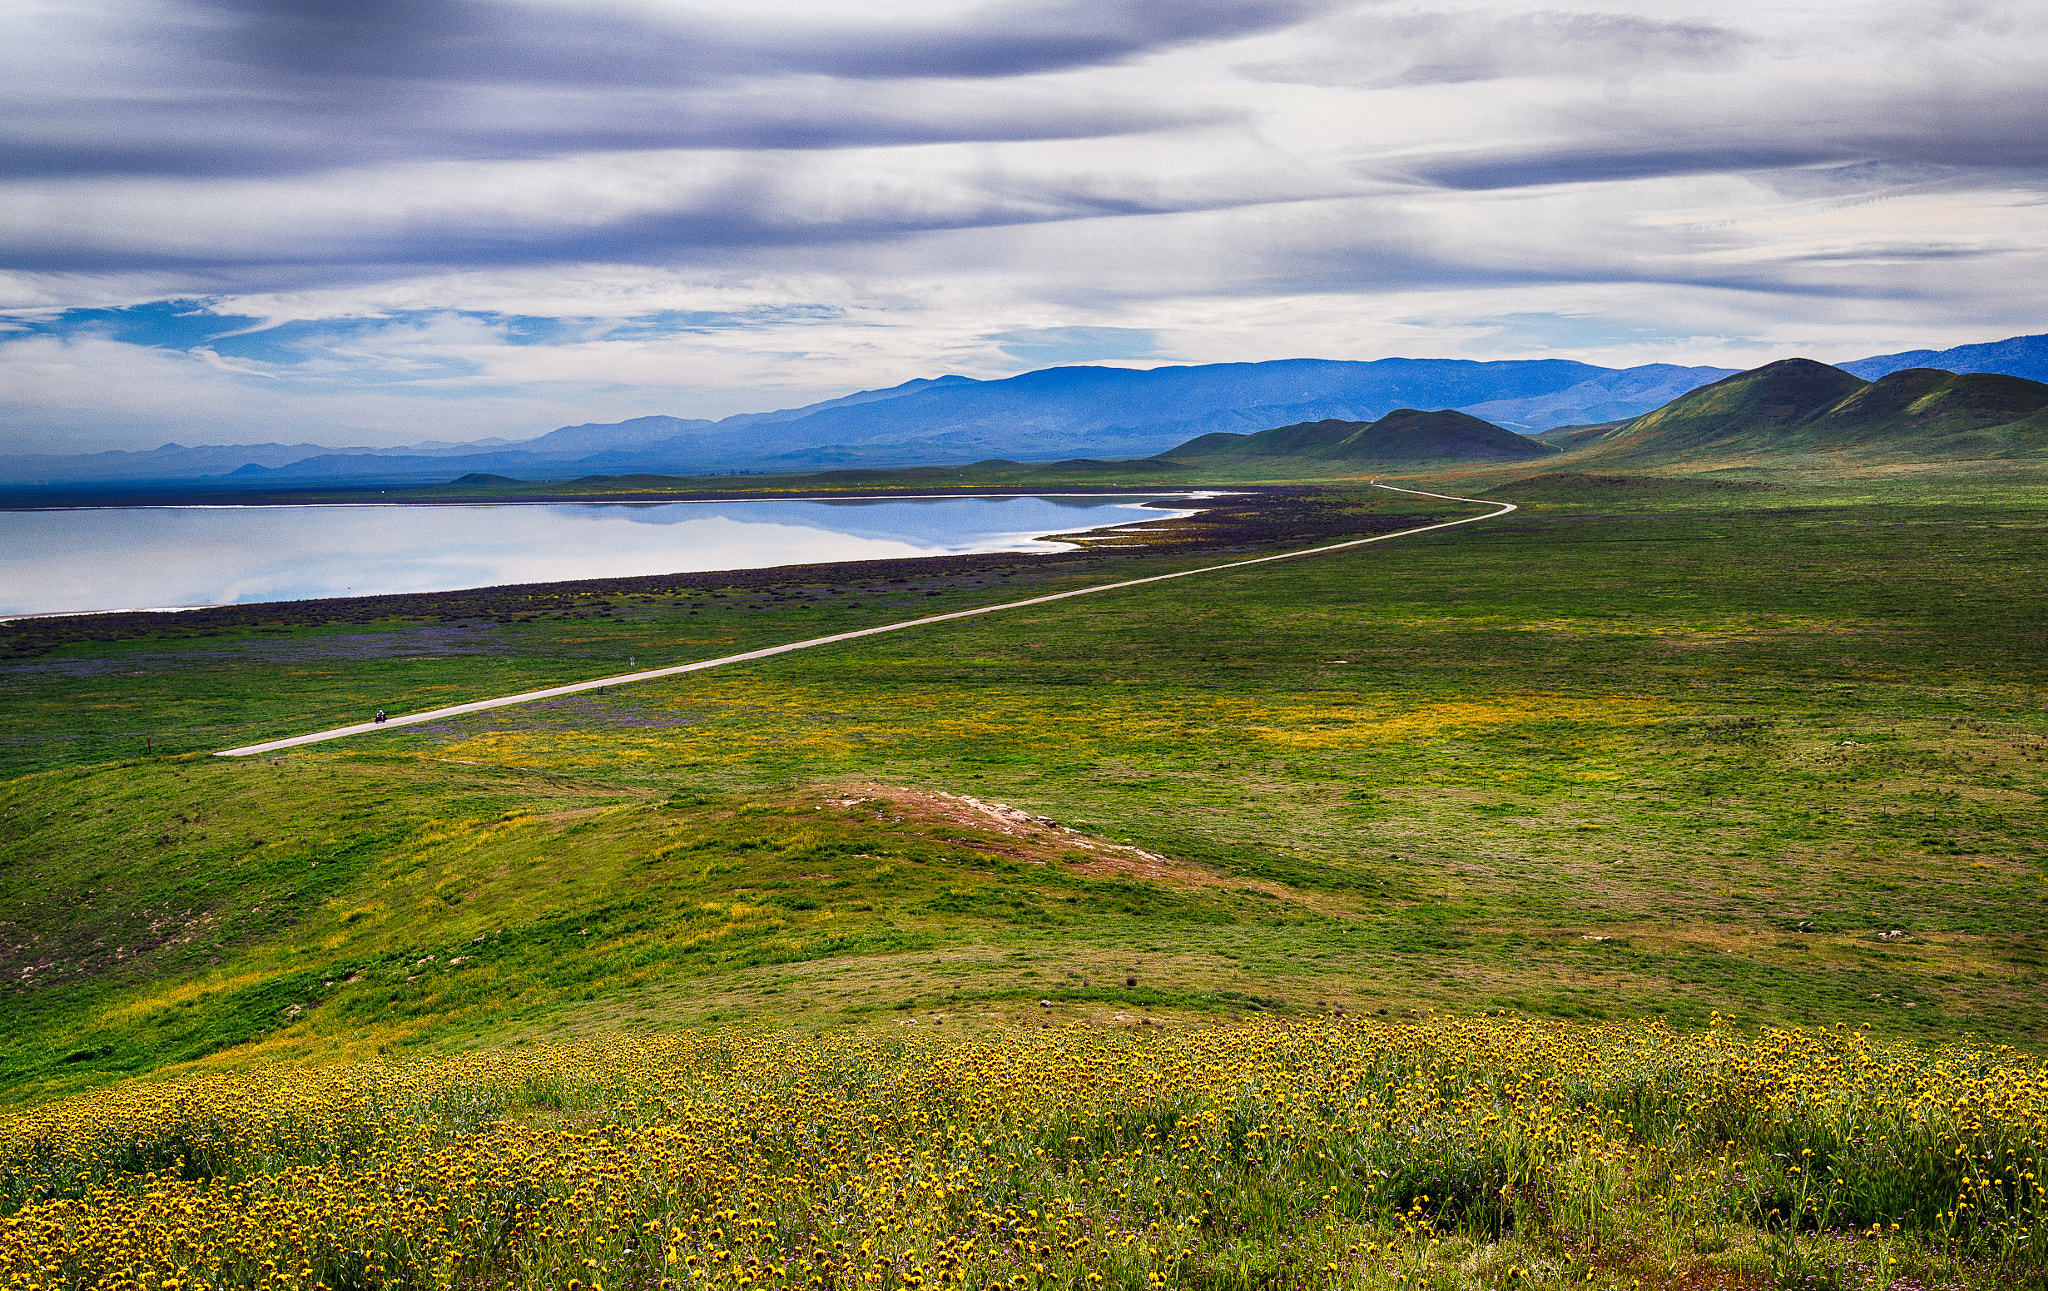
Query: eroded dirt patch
{"x": 1012, "y": 832}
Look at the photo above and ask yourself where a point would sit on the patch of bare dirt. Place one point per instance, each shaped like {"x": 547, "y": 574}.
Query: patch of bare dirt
{"x": 1012, "y": 832}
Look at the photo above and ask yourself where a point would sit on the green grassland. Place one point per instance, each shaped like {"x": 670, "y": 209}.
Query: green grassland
{"x": 263, "y": 672}
{"x": 88, "y": 688}
{"x": 1625, "y": 752}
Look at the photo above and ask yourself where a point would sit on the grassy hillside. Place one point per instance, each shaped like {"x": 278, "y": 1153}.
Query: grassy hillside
{"x": 1757, "y": 410}
{"x": 1621, "y": 490}
{"x": 1402, "y": 437}
{"x": 166, "y": 911}
{"x": 1665, "y": 758}
{"x": 1794, "y": 409}
{"x": 1936, "y": 413}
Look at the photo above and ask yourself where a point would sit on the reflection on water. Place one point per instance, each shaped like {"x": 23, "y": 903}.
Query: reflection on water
{"x": 67, "y": 561}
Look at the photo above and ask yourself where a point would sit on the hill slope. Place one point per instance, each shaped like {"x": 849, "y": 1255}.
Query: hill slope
{"x": 1937, "y": 410}
{"x": 1797, "y": 406}
{"x": 1403, "y": 435}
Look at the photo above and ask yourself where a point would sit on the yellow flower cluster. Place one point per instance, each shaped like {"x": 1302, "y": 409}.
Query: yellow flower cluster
{"x": 1322, "y": 1152}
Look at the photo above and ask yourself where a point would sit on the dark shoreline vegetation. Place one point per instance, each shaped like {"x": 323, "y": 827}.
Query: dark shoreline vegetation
{"x": 1649, "y": 750}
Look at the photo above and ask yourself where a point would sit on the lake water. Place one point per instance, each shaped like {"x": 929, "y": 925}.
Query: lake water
{"x": 162, "y": 557}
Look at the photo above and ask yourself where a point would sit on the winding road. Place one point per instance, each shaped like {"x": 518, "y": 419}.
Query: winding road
{"x": 649, "y": 674}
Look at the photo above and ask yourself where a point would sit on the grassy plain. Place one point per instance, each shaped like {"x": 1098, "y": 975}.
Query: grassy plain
{"x": 187, "y": 690}
{"x": 1627, "y": 758}
{"x": 85, "y": 689}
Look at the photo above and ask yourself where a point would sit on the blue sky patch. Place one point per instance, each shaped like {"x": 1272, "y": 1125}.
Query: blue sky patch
{"x": 1050, "y": 347}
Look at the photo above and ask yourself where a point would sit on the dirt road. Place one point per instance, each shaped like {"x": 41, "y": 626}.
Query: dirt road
{"x": 649, "y": 674}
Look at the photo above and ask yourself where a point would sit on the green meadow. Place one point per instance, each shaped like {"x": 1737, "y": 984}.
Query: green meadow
{"x": 1663, "y": 751}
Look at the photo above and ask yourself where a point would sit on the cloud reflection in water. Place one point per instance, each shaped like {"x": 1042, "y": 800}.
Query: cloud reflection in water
{"x": 67, "y": 561}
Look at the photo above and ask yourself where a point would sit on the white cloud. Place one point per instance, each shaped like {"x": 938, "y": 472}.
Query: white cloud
{"x": 792, "y": 207}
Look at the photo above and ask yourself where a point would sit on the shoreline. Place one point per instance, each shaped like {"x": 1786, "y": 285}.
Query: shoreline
{"x": 1249, "y": 518}
{"x": 600, "y": 684}
{"x": 1064, "y": 542}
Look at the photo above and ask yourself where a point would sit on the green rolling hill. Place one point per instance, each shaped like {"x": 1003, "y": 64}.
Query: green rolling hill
{"x": 1797, "y": 406}
{"x": 1402, "y": 436}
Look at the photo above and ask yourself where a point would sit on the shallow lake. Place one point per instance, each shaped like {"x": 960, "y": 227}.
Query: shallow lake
{"x": 161, "y": 557}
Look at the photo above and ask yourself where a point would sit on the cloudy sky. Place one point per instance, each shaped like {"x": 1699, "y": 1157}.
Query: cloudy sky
{"x": 384, "y": 221}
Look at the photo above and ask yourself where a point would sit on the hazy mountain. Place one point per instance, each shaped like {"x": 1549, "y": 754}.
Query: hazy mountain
{"x": 590, "y": 437}
{"x": 846, "y": 401}
{"x": 1629, "y": 392}
{"x": 1044, "y": 415}
{"x": 1797, "y": 406}
{"x": 639, "y": 432}
{"x": 2017, "y": 356}
{"x": 667, "y": 442}
{"x": 1122, "y": 411}
{"x": 172, "y": 461}
{"x": 1118, "y": 410}
{"x": 1403, "y": 435}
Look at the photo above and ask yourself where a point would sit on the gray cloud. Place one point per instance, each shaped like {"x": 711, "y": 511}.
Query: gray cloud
{"x": 255, "y": 87}
{"x": 1383, "y": 49}
{"x": 1862, "y": 137}
{"x": 472, "y": 41}
{"x": 1593, "y": 162}
{"x": 290, "y": 137}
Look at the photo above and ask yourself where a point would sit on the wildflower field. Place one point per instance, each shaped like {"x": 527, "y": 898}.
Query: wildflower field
{"x": 1313, "y": 1153}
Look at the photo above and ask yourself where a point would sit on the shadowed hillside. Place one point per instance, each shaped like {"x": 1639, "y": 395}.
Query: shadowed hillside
{"x": 1935, "y": 410}
{"x": 1797, "y": 406}
{"x": 1751, "y": 410}
{"x": 1404, "y": 435}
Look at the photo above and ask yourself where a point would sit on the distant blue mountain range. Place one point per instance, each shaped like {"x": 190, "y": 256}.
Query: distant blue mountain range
{"x": 1044, "y": 415}
{"x": 1050, "y": 414}
{"x": 2018, "y": 356}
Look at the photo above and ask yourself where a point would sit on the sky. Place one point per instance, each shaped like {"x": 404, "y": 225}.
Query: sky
{"x": 375, "y": 222}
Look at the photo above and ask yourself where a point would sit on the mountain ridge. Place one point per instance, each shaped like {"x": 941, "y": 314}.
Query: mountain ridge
{"x": 1047, "y": 414}
{"x": 1043, "y": 415}
{"x": 2017, "y": 356}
